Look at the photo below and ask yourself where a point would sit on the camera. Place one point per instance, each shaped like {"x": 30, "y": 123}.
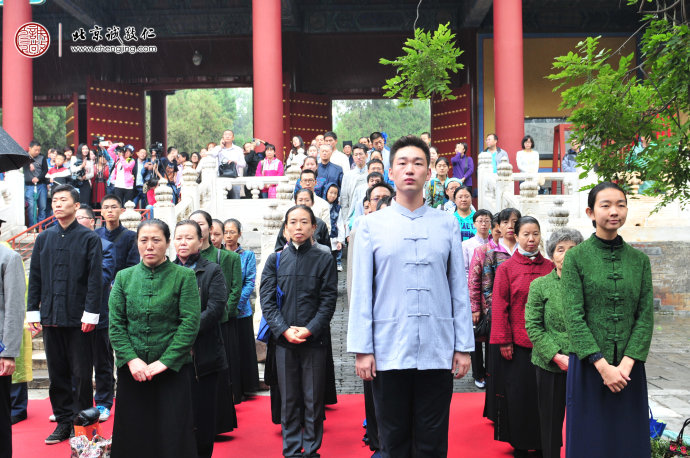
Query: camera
{"x": 79, "y": 173}
{"x": 157, "y": 146}
{"x": 97, "y": 141}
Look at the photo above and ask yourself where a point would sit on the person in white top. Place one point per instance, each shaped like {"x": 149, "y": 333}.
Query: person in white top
{"x": 352, "y": 179}
{"x": 338, "y": 157}
{"x": 528, "y": 159}
{"x": 228, "y": 152}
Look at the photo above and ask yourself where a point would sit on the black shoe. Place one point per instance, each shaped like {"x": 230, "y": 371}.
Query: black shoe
{"x": 62, "y": 433}
{"x": 17, "y": 418}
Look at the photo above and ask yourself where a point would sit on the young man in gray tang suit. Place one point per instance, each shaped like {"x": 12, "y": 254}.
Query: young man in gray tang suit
{"x": 410, "y": 322}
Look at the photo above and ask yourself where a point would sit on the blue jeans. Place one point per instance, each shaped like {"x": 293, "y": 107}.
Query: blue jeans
{"x": 139, "y": 197}
{"x": 42, "y": 192}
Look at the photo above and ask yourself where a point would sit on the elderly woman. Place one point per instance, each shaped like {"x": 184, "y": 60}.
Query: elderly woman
{"x": 154, "y": 320}
{"x": 545, "y": 324}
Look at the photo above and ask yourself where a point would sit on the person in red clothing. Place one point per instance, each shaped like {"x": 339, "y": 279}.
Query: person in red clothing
{"x": 511, "y": 287}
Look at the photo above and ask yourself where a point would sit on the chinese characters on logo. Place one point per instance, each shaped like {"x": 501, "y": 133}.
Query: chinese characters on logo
{"x": 112, "y": 33}
{"x": 32, "y": 39}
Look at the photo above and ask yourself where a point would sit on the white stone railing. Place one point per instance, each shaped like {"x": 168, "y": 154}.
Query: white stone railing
{"x": 12, "y": 204}
{"x": 496, "y": 191}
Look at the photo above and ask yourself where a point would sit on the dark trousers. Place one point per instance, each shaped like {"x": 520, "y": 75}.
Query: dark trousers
{"x": 139, "y": 197}
{"x": 19, "y": 397}
{"x": 204, "y": 395}
{"x": 5, "y": 417}
{"x": 413, "y": 409}
{"x": 302, "y": 381}
{"x": 69, "y": 355}
{"x": 370, "y": 412}
{"x": 551, "y": 402}
{"x": 477, "y": 357}
{"x": 124, "y": 194}
{"x": 103, "y": 365}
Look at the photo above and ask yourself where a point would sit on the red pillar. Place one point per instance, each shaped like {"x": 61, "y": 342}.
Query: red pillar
{"x": 17, "y": 75}
{"x": 159, "y": 118}
{"x": 268, "y": 72}
{"x": 508, "y": 77}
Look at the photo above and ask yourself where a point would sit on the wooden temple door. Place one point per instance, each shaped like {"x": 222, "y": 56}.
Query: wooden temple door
{"x": 451, "y": 123}
{"x": 115, "y": 111}
{"x": 306, "y": 115}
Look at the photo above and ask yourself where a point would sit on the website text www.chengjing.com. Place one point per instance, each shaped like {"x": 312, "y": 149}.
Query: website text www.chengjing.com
{"x": 116, "y": 49}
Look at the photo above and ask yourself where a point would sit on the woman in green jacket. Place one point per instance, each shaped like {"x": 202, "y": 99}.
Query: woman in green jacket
{"x": 607, "y": 287}
{"x": 154, "y": 320}
{"x": 545, "y": 324}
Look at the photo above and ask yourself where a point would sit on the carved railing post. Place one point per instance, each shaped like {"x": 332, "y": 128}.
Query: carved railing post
{"x": 164, "y": 209}
{"x": 504, "y": 182}
{"x": 529, "y": 189}
{"x": 130, "y": 218}
{"x": 483, "y": 172}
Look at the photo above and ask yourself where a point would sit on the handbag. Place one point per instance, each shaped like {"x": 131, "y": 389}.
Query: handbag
{"x": 264, "y": 333}
{"x": 677, "y": 447}
{"x": 656, "y": 427}
{"x": 227, "y": 170}
{"x": 483, "y": 326}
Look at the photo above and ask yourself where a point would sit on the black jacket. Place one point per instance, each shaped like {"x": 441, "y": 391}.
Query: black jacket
{"x": 208, "y": 352}
{"x": 309, "y": 280}
{"x": 66, "y": 276}
{"x": 40, "y": 169}
{"x": 321, "y": 235}
{"x": 148, "y": 174}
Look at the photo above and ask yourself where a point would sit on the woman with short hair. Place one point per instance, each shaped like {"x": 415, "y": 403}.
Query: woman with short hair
{"x": 518, "y": 420}
{"x": 545, "y": 324}
{"x": 154, "y": 320}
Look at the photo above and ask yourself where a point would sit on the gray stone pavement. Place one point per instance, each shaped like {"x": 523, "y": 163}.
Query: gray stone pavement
{"x": 668, "y": 365}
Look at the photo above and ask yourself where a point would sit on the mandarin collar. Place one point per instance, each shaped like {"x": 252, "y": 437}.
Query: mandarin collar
{"x": 417, "y": 213}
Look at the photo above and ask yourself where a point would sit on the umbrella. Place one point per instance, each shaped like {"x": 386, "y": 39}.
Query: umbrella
{"x": 12, "y": 156}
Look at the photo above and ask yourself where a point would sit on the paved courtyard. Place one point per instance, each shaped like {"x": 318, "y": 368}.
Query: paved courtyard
{"x": 668, "y": 365}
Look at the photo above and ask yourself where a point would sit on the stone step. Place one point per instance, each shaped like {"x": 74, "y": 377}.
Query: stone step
{"x": 40, "y": 379}
{"x": 37, "y": 344}
{"x": 38, "y": 360}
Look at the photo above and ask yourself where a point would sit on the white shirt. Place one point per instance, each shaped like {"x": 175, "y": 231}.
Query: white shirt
{"x": 233, "y": 154}
{"x": 341, "y": 159}
{"x": 527, "y": 161}
{"x": 322, "y": 210}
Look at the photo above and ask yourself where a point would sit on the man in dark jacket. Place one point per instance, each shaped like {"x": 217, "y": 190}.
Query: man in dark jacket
{"x": 126, "y": 255}
{"x": 65, "y": 288}
{"x": 102, "y": 352}
{"x": 36, "y": 184}
{"x": 308, "y": 279}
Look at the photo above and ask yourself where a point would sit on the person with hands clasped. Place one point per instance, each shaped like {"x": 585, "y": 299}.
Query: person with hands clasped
{"x": 545, "y": 324}
{"x": 155, "y": 313}
{"x": 517, "y": 420}
{"x": 609, "y": 312}
{"x": 305, "y": 277}
{"x": 410, "y": 323}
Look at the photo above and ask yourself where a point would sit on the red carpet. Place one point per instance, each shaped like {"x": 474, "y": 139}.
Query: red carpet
{"x": 470, "y": 434}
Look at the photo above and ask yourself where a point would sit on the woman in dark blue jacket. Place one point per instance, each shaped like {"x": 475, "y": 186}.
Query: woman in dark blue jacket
{"x": 305, "y": 277}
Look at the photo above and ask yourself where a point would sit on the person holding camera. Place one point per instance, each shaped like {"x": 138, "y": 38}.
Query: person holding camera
{"x": 82, "y": 173}
{"x": 143, "y": 172}
{"x": 122, "y": 173}
{"x": 227, "y": 154}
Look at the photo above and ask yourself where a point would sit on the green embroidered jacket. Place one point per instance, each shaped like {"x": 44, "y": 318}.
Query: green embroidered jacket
{"x": 545, "y": 321}
{"x": 608, "y": 300}
{"x": 154, "y": 314}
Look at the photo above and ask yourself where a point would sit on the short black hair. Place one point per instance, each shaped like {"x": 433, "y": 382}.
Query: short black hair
{"x": 375, "y": 135}
{"x": 330, "y": 134}
{"x": 33, "y": 143}
{"x": 385, "y": 200}
{"x": 88, "y": 210}
{"x": 170, "y": 148}
{"x": 443, "y": 159}
{"x": 60, "y": 153}
{"x": 313, "y": 172}
{"x": 375, "y": 161}
{"x": 493, "y": 135}
{"x": 374, "y": 175}
{"x": 308, "y": 191}
{"x": 526, "y": 220}
{"x": 112, "y": 197}
{"x": 425, "y": 133}
{"x": 482, "y": 212}
{"x": 359, "y": 146}
{"x": 302, "y": 207}
{"x": 67, "y": 188}
{"x": 507, "y": 213}
{"x": 206, "y": 215}
{"x": 382, "y": 184}
{"x": 268, "y": 146}
{"x": 189, "y": 222}
{"x": 460, "y": 188}
{"x": 410, "y": 140}
{"x": 234, "y": 221}
{"x": 525, "y": 138}
{"x": 592, "y": 196}
{"x": 157, "y": 223}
